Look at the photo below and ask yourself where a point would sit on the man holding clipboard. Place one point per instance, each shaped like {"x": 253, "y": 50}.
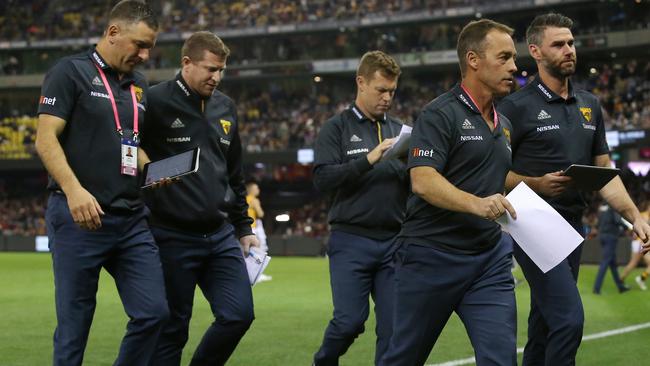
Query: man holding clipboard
{"x": 198, "y": 244}
{"x": 555, "y": 126}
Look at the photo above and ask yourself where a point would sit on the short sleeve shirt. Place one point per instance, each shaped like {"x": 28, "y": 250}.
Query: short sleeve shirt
{"x": 451, "y": 136}
{"x": 549, "y": 133}
{"x": 74, "y": 91}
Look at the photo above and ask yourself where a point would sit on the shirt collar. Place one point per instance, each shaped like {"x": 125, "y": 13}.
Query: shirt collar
{"x": 97, "y": 59}
{"x": 465, "y": 99}
{"x": 185, "y": 89}
{"x": 548, "y": 94}
{"x": 356, "y": 111}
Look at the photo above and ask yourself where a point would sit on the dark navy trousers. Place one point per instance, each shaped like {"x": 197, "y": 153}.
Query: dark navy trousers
{"x": 431, "y": 284}
{"x": 215, "y": 263}
{"x": 556, "y": 316}
{"x": 359, "y": 267}
{"x": 123, "y": 246}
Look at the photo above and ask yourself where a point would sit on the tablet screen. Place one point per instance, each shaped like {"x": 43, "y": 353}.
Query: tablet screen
{"x": 171, "y": 167}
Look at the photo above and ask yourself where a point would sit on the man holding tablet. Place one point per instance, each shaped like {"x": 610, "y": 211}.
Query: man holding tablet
{"x": 198, "y": 242}
{"x": 554, "y": 126}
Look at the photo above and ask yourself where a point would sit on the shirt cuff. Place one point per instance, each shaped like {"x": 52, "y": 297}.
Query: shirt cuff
{"x": 362, "y": 165}
{"x": 243, "y": 230}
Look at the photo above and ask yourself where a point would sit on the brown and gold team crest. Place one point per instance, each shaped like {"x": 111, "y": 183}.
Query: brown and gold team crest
{"x": 138, "y": 93}
{"x": 506, "y": 133}
{"x": 586, "y": 112}
{"x": 226, "y": 125}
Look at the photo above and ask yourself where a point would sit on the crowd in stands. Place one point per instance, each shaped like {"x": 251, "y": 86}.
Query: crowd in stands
{"x": 279, "y": 119}
{"x": 17, "y": 136}
{"x": 33, "y": 20}
{"x": 22, "y": 205}
{"x": 624, "y": 92}
{"x": 56, "y": 19}
{"x": 22, "y": 216}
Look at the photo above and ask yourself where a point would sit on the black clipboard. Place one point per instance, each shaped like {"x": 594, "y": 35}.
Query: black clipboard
{"x": 171, "y": 167}
{"x": 590, "y": 178}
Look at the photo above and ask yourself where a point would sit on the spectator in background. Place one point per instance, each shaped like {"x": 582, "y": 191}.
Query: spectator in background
{"x": 610, "y": 228}
{"x": 12, "y": 66}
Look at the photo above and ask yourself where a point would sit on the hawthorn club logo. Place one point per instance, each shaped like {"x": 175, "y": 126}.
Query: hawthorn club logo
{"x": 586, "y": 112}
{"x": 225, "y": 124}
{"x": 138, "y": 93}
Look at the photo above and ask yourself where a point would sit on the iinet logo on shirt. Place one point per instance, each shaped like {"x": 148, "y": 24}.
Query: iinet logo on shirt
{"x": 47, "y": 101}
{"x": 417, "y": 152}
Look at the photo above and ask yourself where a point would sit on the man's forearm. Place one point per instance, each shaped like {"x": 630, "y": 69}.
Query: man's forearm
{"x": 616, "y": 196}
{"x": 51, "y": 153}
{"x": 513, "y": 179}
{"x": 432, "y": 187}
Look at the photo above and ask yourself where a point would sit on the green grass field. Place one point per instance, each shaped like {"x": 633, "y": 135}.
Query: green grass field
{"x": 291, "y": 314}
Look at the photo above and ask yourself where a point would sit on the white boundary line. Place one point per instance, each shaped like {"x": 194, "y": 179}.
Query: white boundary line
{"x": 608, "y": 333}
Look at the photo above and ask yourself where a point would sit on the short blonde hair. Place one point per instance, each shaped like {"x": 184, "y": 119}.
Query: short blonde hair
{"x": 378, "y": 61}
{"x": 199, "y": 42}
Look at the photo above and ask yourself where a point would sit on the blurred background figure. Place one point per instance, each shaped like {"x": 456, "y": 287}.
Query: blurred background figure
{"x": 610, "y": 228}
{"x": 637, "y": 255}
{"x": 256, "y": 212}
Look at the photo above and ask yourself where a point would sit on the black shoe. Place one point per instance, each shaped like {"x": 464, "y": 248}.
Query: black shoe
{"x": 623, "y": 288}
{"x": 596, "y": 292}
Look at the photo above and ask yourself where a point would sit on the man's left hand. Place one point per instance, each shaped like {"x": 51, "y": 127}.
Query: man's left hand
{"x": 248, "y": 241}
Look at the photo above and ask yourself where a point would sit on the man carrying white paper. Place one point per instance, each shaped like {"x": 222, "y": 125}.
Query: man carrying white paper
{"x": 452, "y": 256}
{"x": 555, "y": 126}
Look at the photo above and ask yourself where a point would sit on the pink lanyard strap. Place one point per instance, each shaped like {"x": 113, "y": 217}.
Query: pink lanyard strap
{"x": 494, "y": 110}
{"x": 114, "y": 105}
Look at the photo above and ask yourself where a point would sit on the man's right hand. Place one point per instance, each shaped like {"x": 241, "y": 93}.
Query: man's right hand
{"x": 84, "y": 208}
{"x": 552, "y": 184}
{"x": 376, "y": 153}
{"x": 493, "y": 207}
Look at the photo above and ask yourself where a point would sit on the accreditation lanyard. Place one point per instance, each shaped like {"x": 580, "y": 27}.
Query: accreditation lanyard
{"x": 129, "y": 147}
{"x": 494, "y": 110}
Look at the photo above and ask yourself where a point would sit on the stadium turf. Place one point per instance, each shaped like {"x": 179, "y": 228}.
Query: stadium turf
{"x": 291, "y": 313}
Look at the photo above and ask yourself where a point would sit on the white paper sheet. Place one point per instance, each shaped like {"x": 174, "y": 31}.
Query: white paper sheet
{"x": 256, "y": 263}
{"x": 400, "y": 145}
{"x": 545, "y": 236}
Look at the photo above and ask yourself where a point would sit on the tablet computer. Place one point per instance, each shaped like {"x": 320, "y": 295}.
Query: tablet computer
{"x": 590, "y": 178}
{"x": 172, "y": 167}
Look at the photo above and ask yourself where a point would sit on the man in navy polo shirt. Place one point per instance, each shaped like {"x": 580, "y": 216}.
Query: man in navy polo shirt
{"x": 90, "y": 111}
{"x": 453, "y": 256}
{"x": 368, "y": 197}
{"x": 555, "y": 126}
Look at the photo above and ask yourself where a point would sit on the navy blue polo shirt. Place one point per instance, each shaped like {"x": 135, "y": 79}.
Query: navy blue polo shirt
{"x": 366, "y": 200}
{"x": 451, "y": 136}
{"x": 74, "y": 91}
{"x": 549, "y": 133}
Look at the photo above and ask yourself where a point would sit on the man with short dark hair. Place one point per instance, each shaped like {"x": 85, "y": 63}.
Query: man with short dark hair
{"x": 554, "y": 126}
{"x": 90, "y": 111}
{"x": 199, "y": 243}
{"x": 366, "y": 210}
{"x": 453, "y": 256}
